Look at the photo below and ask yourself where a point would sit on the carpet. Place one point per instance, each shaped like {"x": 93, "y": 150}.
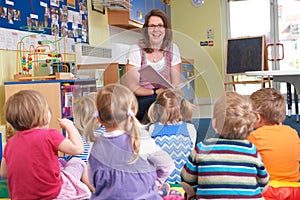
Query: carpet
{"x": 3, "y": 189}
{"x": 291, "y": 121}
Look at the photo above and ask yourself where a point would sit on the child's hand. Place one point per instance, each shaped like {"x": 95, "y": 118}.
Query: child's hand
{"x": 65, "y": 123}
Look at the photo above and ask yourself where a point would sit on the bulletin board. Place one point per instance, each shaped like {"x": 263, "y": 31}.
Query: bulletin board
{"x": 59, "y": 18}
{"x": 246, "y": 54}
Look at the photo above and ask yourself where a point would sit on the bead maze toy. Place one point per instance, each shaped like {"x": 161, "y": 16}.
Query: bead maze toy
{"x": 45, "y": 53}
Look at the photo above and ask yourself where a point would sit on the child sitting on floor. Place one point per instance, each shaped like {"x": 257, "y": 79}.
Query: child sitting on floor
{"x": 124, "y": 163}
{"x": 30, "y": 159}
{"x": 228, "y": 166}
{"x": 86, "y": 122}
{"x": 278, "y": 144}
{"x": 171, "y": 130}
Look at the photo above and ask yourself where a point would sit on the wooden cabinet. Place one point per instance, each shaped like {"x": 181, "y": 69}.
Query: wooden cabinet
{"x": 110, "y": 74}
{"x": 51, "y": 89}
{"x": 60, "y": 94}
{"x": 130, "y": 18}
{"x": 134, "y": 17}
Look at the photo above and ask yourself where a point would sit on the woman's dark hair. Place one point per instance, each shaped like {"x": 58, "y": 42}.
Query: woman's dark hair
{"x": 145, "y": 43}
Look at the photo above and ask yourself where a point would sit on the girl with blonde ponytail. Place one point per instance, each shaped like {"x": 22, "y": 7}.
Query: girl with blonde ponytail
{"x": 125, "y": 162}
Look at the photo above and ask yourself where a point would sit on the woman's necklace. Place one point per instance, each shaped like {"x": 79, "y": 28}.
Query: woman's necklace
{"x": 154, "y": 59}
{"x": 156, "y": 56}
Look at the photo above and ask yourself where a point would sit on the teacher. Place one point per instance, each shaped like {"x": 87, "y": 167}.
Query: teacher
{"x": 156, "y": 49}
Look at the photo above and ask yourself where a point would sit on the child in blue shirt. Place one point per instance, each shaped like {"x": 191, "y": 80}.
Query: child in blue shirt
{"x": 171, "y": 129}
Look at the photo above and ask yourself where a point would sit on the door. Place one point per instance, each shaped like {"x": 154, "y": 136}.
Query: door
{"x": 279, "y": 21}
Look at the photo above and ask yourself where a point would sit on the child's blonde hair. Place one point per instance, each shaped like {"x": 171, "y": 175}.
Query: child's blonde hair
{"x": 233, "y": 115}
{"x": 170, "y": 107}
{"x": 84, "y": 118}
{"x": 27, "y": 109}
{"x": 270, "y": 104}
{"x": 117, "y": 106}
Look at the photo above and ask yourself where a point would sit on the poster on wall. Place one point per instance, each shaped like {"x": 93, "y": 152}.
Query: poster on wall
{"x": 58, "y": 18}
{"x": 71, "y": 3}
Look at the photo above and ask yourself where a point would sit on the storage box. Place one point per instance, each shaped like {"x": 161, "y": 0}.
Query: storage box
{"x": 63, "y": 75}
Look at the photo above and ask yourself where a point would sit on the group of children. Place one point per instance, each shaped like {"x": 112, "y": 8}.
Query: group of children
{"x": 123, "y": 159}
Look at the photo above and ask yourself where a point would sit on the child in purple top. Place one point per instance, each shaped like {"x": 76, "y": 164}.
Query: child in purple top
{"x": 125, "y": 163}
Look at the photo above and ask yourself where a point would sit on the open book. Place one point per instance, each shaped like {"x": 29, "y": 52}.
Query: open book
{"x": 155, "y": 78}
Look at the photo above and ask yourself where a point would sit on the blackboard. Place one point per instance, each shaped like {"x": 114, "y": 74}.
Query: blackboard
{"x": 246, "y": 54}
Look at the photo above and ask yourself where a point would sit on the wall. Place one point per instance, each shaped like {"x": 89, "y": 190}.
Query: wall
{"x": 98, "y": 26}
{"x": 190, "y": 25}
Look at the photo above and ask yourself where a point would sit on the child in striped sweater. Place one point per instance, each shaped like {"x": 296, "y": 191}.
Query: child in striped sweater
{"x": 228, "y": 166}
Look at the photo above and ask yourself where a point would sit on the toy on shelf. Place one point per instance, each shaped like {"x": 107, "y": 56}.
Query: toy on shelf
{"x": 45, "y": 54}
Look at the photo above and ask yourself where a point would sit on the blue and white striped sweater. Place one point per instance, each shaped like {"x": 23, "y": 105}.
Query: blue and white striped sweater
{"x": 227, "y": 169}
{"x": 84, "y": 156}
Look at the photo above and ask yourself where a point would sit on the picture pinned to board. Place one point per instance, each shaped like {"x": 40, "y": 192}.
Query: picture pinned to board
{"x": 59, "y": 18}
{"x": 71, "y": 3}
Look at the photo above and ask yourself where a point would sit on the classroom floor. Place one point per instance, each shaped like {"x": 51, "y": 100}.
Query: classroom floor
{"x": 3, "y": 189}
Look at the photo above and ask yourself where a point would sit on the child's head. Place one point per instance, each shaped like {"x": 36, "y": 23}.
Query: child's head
{"x": 170, "y": 107}
{"x": 117, "y": 107}
{"x": 27, "y": 109}
{"x": 270, "y": 105}
{"x": 233, "y": 117}
{"x": 84, "y": 118}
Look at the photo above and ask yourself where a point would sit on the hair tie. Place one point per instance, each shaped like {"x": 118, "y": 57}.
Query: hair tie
{"x": 96, "y": 114}
{"x": 130, "y": 113}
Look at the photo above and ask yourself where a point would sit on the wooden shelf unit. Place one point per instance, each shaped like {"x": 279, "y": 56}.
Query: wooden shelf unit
{"x": 52, "y": 89}
{"x": 111, "y": 71}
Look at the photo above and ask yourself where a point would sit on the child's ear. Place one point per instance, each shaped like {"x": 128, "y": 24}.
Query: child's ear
{"x": 259, "y": 122}
{"x": 258, "y": 116}
{"x": 99, "y": 120}
{"x": 134, "y": 111}
{"x": 214, "y": 124}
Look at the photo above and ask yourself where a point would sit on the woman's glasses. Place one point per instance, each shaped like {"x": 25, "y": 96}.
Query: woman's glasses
{"x": 153, "y": 26}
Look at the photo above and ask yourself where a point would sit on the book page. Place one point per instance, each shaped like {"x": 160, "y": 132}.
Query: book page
{"x": 189, "y": 79}
{"x": 155, "y": 78}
